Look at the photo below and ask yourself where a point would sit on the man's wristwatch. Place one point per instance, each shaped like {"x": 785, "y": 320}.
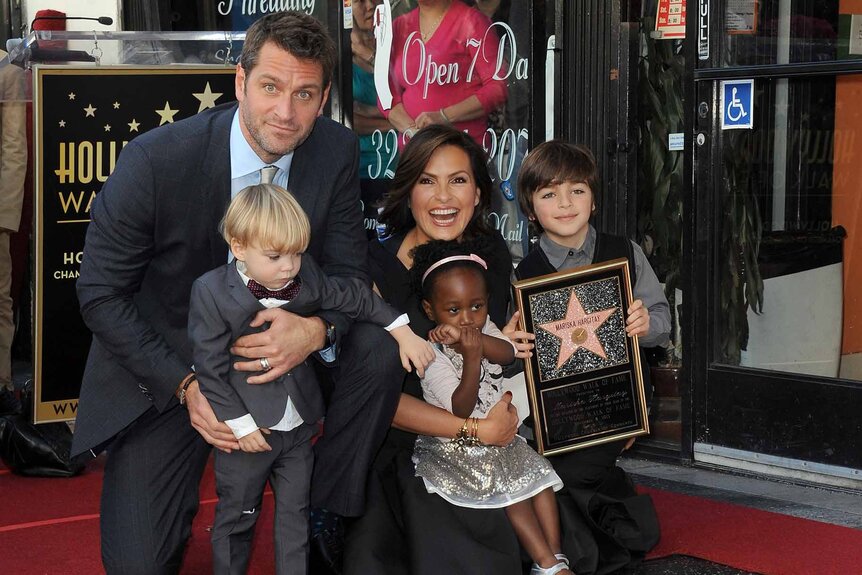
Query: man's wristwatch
{"x": 185, "y": 388}
{"x": 330, "y": 335}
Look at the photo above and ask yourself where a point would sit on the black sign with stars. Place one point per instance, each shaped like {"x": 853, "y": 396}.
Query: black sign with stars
{"x": 83, "y": 118}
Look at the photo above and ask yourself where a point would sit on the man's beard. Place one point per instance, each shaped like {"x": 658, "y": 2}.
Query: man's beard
{"x": 275, "y": 147}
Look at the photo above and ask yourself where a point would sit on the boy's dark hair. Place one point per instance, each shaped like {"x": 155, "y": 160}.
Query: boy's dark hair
{"x": 301, "y": 35}
{"x": 554, "y": 162}
{"x": 396, "y": 214}
{"x": 428, "y": 254}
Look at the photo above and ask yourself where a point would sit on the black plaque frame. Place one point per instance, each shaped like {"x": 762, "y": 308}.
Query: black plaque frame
{"x": 83, "y": 116}
{"x": 587, "y": 400}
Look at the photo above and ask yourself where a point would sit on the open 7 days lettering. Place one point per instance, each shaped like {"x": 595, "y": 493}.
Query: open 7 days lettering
{"x": 506, "y": 62}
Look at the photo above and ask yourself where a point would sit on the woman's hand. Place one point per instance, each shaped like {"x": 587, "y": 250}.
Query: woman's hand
{"x": 401, "y": 120}
{"x": 521, "y": 339}
{"x": 429, "y": 118}
{"x": 501, "y": 424}
{"x": 638, "y": 320}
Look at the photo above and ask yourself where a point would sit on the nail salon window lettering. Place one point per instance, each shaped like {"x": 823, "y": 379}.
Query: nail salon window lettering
{"x": 502, "y": 150}
{"x": 511, "y": 229}
{"x": 261, "y": 7}
{"x": 442, "y": 73}
{"x": 507, "y": 67}
{"x": 386, "y": 149}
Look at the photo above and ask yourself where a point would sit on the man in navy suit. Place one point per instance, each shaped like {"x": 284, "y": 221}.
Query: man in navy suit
{"x": 154, "y": 230}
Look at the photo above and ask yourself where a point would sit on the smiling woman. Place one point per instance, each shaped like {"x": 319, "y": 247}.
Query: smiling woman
{"x": 441, "y": 191}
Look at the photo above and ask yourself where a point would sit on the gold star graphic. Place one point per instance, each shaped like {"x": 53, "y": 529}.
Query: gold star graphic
{"x": 107, "y": 127}
{"x": 207, "y": 98}
{"x": 133, "y": 125}
{"x": 578, "y": 329}
{"x": 90, "y": 111}
{"x": 167, "y": 114}
{"x": 71, "y": 95}
{"x": 116, "y": 105}
{"x": 62, "y": 123}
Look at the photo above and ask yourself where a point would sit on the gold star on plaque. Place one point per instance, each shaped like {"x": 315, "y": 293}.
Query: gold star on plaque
{"x": 116, "y": 105}
{"x": 133, "y": 125}
{"x": 107, "y": 127}
{"x": 167, "y": 114}
{"x": 71, "y": 95}
{"x": 207, "y": 98}
{"x": 578, "y": 330}
{"x": 90, "y": 111}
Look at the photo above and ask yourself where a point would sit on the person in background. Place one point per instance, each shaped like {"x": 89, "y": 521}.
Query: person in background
{"x": 559, "y": 188}
{"x": 378, "y": 146}
{"x": 443, "y": 69}
{"x": 13, "y": 171}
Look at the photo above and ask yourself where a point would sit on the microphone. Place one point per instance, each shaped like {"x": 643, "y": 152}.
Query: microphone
{"x": 106, "y": 20}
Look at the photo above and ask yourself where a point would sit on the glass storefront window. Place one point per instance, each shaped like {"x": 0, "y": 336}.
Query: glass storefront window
{"x": 791, "y": 231}
{"x": 467, "y": 65}
{"x": 787, "y": 31}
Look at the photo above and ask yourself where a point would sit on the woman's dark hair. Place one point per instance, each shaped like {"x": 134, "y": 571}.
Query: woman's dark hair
{"x": 396, "y": 214}
{"x": 301, "y": 35}
{"x": 429, "y": 253}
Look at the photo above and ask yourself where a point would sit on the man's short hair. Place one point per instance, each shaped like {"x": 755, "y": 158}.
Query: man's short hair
{"x": 268, "y": 217}
{"x": 554, "y": 162}
{"x": 298, "y": 33}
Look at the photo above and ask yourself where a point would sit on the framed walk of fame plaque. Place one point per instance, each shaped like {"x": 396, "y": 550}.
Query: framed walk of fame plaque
{"x": 584, "y": 380}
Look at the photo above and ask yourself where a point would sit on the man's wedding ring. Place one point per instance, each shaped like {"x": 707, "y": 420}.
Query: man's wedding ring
{"x": 264, "y": 364}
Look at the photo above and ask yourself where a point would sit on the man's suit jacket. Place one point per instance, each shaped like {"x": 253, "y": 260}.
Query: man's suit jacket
{"x": 154, "y": 230}
{"x": 220, "y": 311}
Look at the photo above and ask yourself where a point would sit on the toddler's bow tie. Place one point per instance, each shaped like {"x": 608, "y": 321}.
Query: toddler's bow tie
{"x": 286, "y": 293}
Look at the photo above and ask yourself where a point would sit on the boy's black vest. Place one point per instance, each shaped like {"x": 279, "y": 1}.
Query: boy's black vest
{"x": 608, "y": 247}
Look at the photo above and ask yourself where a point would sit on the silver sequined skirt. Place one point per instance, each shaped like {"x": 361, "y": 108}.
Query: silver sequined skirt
{"x": 483, "y": 476}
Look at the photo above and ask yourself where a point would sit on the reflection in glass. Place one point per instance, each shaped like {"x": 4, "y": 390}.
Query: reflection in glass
{"x": 791, "y": 224}
{"x": 464, "y": 63}
{"x": 786, "y": 31}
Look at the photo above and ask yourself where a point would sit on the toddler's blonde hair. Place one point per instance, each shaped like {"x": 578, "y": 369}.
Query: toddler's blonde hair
{"x": 268, "y": 217}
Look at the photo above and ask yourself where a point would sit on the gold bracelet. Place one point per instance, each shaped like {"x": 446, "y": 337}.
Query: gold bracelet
{"x": 476, "y": 440}
{"x": 445, "y": 117}
{"x": 463, "y": 436}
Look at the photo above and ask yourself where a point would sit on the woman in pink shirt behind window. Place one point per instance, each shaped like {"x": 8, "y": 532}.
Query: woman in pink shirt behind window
{"x": 445, "y": 69}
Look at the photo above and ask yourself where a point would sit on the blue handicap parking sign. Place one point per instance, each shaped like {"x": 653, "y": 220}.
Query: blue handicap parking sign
{"x": 737, "y": 104}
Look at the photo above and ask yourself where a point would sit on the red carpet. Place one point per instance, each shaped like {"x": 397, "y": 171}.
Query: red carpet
{"x": 753, "y": 540}
{"x": 50, "y": 526}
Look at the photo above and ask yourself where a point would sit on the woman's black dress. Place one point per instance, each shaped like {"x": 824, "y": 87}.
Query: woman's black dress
{"x": 407, "y": 531}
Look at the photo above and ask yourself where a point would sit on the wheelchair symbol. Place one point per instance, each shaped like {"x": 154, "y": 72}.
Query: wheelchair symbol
{"x": 735, "y": 109}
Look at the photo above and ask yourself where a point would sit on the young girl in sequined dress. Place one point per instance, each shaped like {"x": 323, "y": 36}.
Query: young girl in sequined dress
{"x": 466, "y": 379}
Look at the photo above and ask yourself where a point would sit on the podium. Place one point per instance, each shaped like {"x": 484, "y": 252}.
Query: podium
{"x": 90, "y": 94}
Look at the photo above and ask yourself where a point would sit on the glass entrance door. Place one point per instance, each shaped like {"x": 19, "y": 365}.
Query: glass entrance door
{"x": 777, "y": 236}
